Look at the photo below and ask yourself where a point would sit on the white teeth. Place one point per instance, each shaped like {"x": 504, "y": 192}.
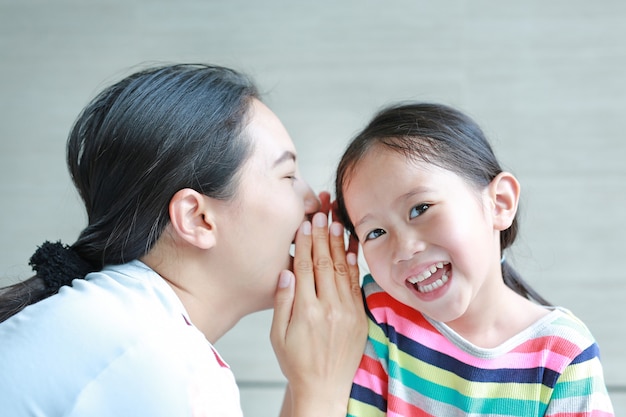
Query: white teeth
{"x": 427, "y": 273}
{"x": 434, "y": 285}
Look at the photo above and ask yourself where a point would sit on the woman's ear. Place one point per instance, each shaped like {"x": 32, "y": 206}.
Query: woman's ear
{"x": 504, "y": 191}
{"x": 192, "y": 218}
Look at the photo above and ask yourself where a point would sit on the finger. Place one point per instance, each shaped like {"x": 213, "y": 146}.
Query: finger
{"x": 283, "y": 305}
{"x": 322, "y": 260}
{"x": 355, "y": 278}
{"x": 334, "y": 209}
{"x": 353, "y": 244}
{"x": 303, "y": 263}
{"x": 338, "y": 253}
{"x": 325, "y": 205}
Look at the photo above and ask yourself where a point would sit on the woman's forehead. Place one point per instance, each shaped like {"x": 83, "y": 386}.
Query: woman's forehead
{"x": 271, "y": 143}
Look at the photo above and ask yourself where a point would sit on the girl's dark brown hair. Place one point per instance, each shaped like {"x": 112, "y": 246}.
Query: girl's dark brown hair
{"x": 439, "y": 135}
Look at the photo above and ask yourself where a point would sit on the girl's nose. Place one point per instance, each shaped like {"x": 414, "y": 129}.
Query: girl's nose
{"x": 407, "y": 244}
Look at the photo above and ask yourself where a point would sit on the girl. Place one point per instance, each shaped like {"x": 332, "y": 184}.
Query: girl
{"x": 184, "y": 174}
{"x": 453, "y": 330}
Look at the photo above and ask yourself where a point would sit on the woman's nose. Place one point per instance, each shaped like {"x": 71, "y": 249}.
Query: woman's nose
{"x": 312, "y": 203}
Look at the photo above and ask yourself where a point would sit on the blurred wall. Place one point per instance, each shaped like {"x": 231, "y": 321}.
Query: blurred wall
{"x": 546, "y": 80}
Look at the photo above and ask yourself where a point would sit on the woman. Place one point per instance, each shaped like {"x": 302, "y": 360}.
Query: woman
{"x": 193, "y": 199}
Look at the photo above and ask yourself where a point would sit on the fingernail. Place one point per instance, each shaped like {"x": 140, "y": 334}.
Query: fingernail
{"x": 336, "y": 229}
{"x": 319, "y": 220}
{"x": 351, "y": 258}
{"x": 284, "y": 279}
{"x": 306, "y": 228}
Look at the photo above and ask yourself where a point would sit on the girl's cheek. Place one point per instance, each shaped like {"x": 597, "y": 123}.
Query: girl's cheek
{"x": 375, "y": 260}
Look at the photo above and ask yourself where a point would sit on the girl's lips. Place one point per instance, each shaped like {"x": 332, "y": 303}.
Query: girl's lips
{"x": 432, "y": 283}
{"x": 434, "y": 270}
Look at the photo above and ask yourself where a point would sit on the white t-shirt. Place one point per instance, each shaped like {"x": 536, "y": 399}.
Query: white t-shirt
{"x": 118, "y": 343}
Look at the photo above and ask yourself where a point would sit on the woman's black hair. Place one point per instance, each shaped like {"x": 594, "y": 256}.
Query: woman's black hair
{"x": 440, "y": 135}
{"x": 131, "y": 149}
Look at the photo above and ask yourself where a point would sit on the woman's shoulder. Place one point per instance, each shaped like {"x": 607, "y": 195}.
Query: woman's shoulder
{"x": 94, "y": 317}
{"x": 105, "y": 332}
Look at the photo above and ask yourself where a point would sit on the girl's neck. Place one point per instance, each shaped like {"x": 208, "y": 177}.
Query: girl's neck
{"x": 493, "y": 321}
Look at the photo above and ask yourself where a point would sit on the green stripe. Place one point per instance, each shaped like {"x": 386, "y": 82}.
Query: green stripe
{"x": 581, "y": 387}
{"x": 447, "y": 395}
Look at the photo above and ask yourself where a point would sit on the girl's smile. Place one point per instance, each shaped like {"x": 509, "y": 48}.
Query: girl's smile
{"x": 431, "y": 282}
{"x": 422, "y": 191}
{"x": 427, "y": 234}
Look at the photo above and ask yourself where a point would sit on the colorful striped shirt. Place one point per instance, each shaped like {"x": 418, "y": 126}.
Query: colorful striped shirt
{"x": 414, "y": 366}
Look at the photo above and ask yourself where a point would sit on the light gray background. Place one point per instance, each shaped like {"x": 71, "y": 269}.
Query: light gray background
{"x": 546, "y": 80}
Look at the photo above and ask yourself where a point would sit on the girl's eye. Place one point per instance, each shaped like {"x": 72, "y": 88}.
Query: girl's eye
{"x": 376, "y": 233}
{"x": 418, "y": 210}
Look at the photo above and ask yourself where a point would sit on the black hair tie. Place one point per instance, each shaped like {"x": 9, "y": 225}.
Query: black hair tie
{"x": 58, "y": 264}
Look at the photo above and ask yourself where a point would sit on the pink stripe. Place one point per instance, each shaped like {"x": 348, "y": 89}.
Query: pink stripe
{"x": 219, "y": 359}
{"x": 370, "y": 381}
{"x": 528, "y": 355}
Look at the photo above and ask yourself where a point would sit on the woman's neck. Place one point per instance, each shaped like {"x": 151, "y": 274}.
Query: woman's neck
{"x": 202, "y": 295}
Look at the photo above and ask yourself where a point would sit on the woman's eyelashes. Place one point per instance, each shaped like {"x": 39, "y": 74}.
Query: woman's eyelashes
{"x": 418, "y": 210}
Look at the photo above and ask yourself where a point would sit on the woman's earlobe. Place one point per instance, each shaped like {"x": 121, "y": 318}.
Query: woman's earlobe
{"x": 505, "y": 193}
{"x": 192, "y": 218}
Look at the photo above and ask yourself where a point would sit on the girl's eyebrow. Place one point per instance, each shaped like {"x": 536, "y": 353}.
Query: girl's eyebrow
{"x": 286, "y": 156}
{"x": 413, "y": 192}
{"x": 363, "y": 220}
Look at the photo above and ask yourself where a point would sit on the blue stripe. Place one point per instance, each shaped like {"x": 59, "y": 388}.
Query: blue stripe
{"x": 588, "y": 354}
{"x": 367, "y": 396}
{"x": 538, "y": 375}
{"x": 448, "y": 395}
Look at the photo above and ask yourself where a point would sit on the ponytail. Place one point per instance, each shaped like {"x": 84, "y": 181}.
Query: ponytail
{"x": 15, "y": 298}
{"x": 511, "y": 277}
{"x": 514, "y": 281}
{"x": 55, "y": 265}
{"x": 135, "y": 145}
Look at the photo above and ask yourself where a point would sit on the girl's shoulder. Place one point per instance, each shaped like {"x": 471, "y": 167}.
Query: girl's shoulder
{"x": 384, "y": 310}
{"x": 561, "y": 323}
{"x": 559, "y": 330}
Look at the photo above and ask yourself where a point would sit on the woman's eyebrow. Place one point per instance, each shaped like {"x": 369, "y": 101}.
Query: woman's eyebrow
{"x": 286, "y": 156}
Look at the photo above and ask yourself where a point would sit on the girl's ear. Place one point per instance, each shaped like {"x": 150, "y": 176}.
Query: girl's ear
{"x": 504, "y": 191}
{"x": 192, "y": 218}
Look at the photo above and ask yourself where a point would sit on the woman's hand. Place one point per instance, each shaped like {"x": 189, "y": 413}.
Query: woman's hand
{"x": 319, "y": 326}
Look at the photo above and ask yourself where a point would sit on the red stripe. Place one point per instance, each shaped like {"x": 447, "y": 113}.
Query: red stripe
{"x": 399, "y": 406}
{"x": 373, "y": 366}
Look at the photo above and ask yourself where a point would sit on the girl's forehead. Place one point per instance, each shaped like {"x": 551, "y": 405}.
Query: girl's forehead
{"x": 387, "y": 171}
{"x": 392, "y": 159}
